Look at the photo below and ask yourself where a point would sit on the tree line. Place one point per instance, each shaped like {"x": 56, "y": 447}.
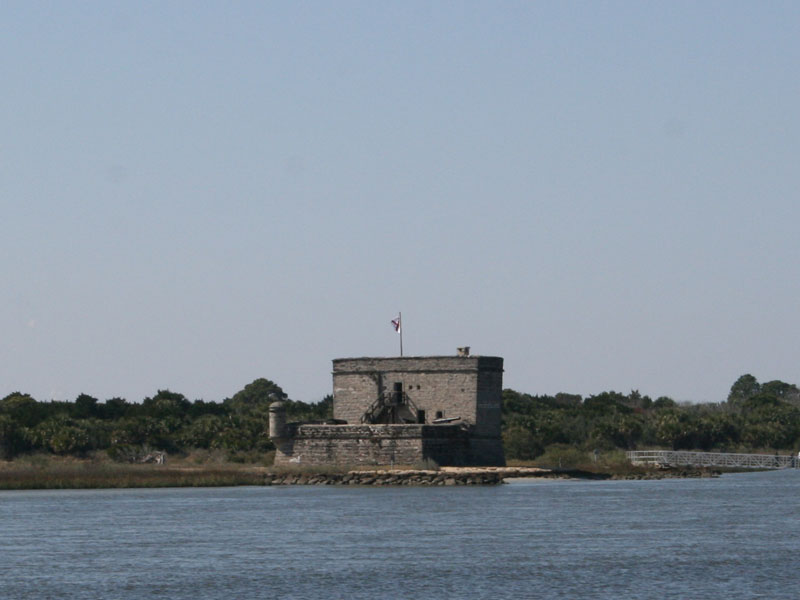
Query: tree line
{"x": 166, "y": 421}
{"x": 754, "y": 417}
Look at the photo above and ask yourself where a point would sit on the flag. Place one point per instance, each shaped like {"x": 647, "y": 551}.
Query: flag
{"x": 396, "y": 324}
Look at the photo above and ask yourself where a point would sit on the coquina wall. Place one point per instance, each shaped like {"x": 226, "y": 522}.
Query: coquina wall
{"x": 468, "y": 387}
{"x": 374, "y": 445}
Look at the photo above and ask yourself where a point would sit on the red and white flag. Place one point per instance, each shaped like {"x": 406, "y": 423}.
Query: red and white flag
{"x": 396, "y": 323}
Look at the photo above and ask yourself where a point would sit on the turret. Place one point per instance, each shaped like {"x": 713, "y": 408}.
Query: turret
{"x": 277, "y": 421}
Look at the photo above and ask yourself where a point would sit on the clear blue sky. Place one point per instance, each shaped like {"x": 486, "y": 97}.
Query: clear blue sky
{"x": 194, "y": 195}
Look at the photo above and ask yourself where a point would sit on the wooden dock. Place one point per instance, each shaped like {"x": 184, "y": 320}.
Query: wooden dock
{"x": 680, "y": 458}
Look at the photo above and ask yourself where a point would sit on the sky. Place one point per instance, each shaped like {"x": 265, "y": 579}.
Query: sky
{"x": 194, "y": 195}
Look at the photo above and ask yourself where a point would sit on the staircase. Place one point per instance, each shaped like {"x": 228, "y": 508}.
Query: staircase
{"x": 385, "y": 409}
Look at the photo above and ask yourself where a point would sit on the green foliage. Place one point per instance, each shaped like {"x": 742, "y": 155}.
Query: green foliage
{"x": 63, "y": 435}
{"x": 202, "y": 432}
{"x": 755, "y": 416}
{"x": 85, "y": 407}
{"x": 563, "y": 456}
{"x": 115, "y": 408}
{"x": 200, "y": 408}
{"x": 742, "y": 389}
{"x": 664, "y": 402}
{"x": 166, "y": 404}
{"x": 166, "y": 421}
{"x": 255, "y": 397}
{"x": 141, "y": 430}
{"x": 22, "y": 408}
{"x": 303, "y": 411}
{"x": 123, "y": 453}
{"x": 617, "y": 430}
{"x": 12, "y": 437}
{"x": 564, "y": 428}
{"x": 782, "y": 390}
{"x": 607, "y": 402}
{"x": 520, "y": 444}
{"x": 243, "y": 433}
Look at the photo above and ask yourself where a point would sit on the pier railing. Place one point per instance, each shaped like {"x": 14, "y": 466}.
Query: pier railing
{"x": 679, "y": 458}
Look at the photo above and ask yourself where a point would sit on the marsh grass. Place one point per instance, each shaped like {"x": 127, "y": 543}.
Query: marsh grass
{"x": 563, "y": 457}
{"x": 200, "y": 468}
{"x": 85, "y": 476}
{"x": 43, "y": 471}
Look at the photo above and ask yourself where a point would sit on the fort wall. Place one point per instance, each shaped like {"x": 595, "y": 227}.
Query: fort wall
{"x": 373, "y": 445}
{"x": 446, "y": 445}
{"x": 466, "y": 387}
{"x": 404, "y": 411}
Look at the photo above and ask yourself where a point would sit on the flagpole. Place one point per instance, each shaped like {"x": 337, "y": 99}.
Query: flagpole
{"x": 400, "y": 318}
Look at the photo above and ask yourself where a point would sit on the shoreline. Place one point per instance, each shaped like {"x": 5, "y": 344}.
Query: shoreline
{"x": 89, "y": 475}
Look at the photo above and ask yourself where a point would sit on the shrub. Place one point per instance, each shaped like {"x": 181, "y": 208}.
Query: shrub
{"x": 564, "y": 457}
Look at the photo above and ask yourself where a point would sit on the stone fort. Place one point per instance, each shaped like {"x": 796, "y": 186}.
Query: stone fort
{"x": 402, "y": 410}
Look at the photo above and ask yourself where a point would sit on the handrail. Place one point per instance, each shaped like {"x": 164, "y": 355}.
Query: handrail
{"x": 381, "y": 403}
{"x": 373, "y": 410}
{"x": 713, "y": 459}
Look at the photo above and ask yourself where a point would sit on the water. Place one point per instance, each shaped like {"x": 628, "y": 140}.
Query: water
{"x": 733, "y": 537}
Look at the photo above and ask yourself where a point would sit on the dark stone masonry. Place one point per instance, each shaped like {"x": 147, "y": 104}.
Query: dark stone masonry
{"x": 392, "y": 478}
{"x": 402, "y": 411}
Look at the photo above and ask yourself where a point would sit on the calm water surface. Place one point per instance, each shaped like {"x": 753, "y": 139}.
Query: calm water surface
{"x": 733, "y": 537}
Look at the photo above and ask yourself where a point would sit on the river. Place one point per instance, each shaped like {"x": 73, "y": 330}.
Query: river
{"x": 732, "y": 537}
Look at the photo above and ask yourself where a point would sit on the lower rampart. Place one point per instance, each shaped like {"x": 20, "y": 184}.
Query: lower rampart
{"x": 384, "y": 445}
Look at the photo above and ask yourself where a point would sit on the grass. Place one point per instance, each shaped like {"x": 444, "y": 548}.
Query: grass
{"x": 42, "y": 471}
{"x": 123, "y": 476}
{"x": 198, "y": 468}
{"x": 562, "y": 456}
{"x": 567, "y": 458}
{"x": 210, "y": 468}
